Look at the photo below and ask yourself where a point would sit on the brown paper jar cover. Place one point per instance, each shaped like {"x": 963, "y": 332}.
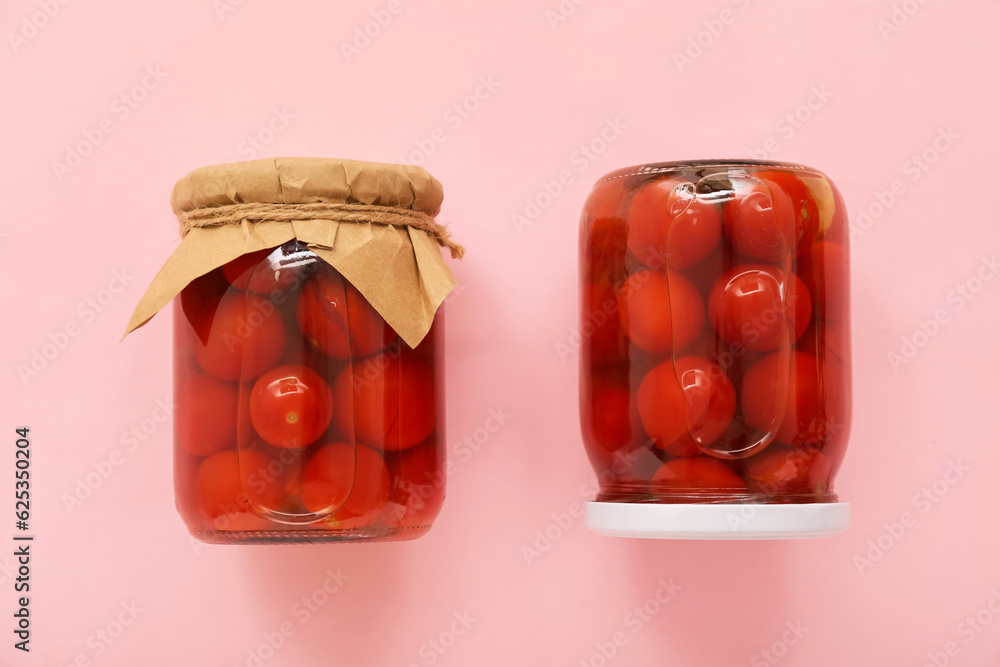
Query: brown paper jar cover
{"x": 397, "y": 268}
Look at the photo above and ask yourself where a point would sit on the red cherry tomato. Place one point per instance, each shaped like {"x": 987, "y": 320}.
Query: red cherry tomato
{"x": 185, "y": 469}
{"x": 355, "y": 481}
{"x": 603, "y": 231}
{"x": 207, "y": 415}
{"x": 795, "y": 391}
{"x": 284, "y": 467}
{"x": 418, "y": 485}
{"x": 827, "y": 277}
{"x": 752, "y": 224}
{"x": 772, "y": 213}
{"x": 335, "y": 317}
{"x": 222, "y": 487}
{"x": 247, "y": 336}
{"x": 291, "y": 406}
{"x": 605, "y": 249}
{"x": 815, "y": 411}
{"x": 385, "y": 401}
{"x": 746, "y": 307}
{"x": 602, "y": 342}
{"x": 764, "y": 393}
{"x": 607, "y": 408}
{"x": 662, "y": 407}
{"x": 686, "y": 405}
{"x": 830, "y": 342}
{"x": 782, "y": 470}
{"x": 267, "y": 270}
{"x": 669, "y": 227}
{"x": 711, "y": 404}
{"x": 605, "y": 200}
{"x": 660, "y": 312}
{"x": 696, "y": 473}
{"x": 794, "y": 206}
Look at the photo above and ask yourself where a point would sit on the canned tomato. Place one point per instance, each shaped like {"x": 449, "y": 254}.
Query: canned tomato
{"x": 715, "y": 365}
{"x": 307, "y": 351}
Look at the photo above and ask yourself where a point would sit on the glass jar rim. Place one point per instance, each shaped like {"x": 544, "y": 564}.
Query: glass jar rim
{"x": 672, "y": 166}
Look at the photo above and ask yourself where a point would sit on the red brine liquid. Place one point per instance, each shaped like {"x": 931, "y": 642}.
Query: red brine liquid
{"x": 715, "y": 357}
{"x": 300, "y": 414}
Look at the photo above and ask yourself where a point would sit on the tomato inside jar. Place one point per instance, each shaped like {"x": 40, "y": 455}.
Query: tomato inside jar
{"x": 308, "y": 368}
{"x": 301, "y": 415}
{"x": 714, "y": 294}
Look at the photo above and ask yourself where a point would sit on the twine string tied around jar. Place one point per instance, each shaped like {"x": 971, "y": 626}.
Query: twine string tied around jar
{"x": 234, "y": 214}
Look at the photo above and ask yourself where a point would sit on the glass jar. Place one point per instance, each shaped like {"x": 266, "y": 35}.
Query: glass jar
{"x": 715, "y": 357}
{"x": 308, "y": 378}
{"x": 300, "y": 414}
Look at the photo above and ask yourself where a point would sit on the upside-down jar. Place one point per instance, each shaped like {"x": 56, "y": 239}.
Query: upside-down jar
{"x": 308, "y": 382}
{"x": 716, "y": 362}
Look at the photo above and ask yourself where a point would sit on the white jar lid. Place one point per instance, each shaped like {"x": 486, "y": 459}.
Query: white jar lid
{"x": 718, "y": 521}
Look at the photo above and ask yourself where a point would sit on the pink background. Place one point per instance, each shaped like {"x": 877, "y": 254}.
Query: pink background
{"x": 887, "y": 97}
